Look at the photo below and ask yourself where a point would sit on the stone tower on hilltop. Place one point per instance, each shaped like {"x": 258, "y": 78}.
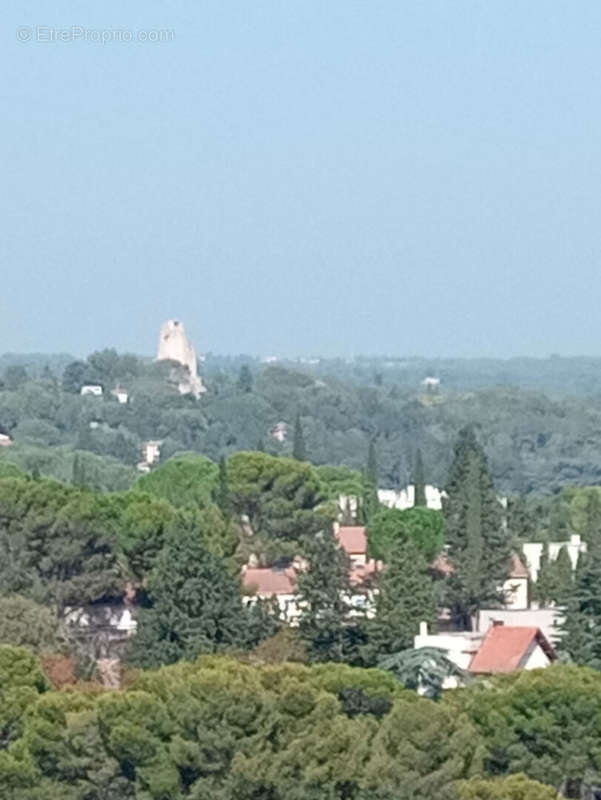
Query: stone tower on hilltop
{"x": 174, "y": 345}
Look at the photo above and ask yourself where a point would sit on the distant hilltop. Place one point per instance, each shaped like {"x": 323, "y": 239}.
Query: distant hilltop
{"x": 174, "y": 345}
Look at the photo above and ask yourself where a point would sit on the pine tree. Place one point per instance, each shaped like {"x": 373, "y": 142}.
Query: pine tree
{"x": 479, "y": 547}
{"x": 580, "y": 628}
{"x": 324, "y": 595}
{"x": 405, "y": 598}
{"x": 195, "y": 606}
{"x": 222, "y": 495}
{"x": 419, "y": 482}
{"x": 299, "y": 451}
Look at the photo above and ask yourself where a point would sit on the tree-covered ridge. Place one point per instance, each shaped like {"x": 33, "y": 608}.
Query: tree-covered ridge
{"x": 535, "y": 442}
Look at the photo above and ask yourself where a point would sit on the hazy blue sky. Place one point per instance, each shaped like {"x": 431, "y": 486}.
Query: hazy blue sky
{"x": 304, "y": 177}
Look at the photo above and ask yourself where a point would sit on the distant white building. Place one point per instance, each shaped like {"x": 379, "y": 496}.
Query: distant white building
{"x": 93, "y": 389}
{"x": 515, "y": 588}
{"x": 120, "y": 395}
{"x": 151, "y": 452}
{"x": 174, "y": 345}
{"x": 431, "y": 384}
{"x": 5, "y": 440}
{"x": 405, "y": 498}
{"x": 534, "y": 550}
{"x": 279, "y": 432}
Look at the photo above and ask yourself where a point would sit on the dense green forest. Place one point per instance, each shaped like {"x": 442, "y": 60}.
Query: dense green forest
{"x": 251, "y": 729}
{"x": 539, "y": 420}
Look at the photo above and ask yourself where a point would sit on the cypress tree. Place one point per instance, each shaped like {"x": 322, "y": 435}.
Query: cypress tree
{"x": 371, "y": 504}
{"x": 546, "y": 583}
{"x": 223, "y": 492}
{"x": 563, "y": 575}
{"x": 299, "y": 451}
{"x": 405, "y": 598}
{"x": 479, "y": 546}
{"x": 419, "y": 481}
{"x": 371, "y": 469}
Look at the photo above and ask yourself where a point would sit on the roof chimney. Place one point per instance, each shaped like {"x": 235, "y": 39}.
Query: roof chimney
{"x": 423, "y": 628}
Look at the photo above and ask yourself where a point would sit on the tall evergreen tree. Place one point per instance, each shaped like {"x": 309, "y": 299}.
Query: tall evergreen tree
{"x": 419, "y": 481}
{"x": 581, "y": 625}
{"x": 371, "y": 469}
{"x": 479, "y": 546}
{"x": 195, "y": 606}
{"x": 78, "y": 476}
{"x": 299, "y": 450}
{"x": 563, "y": 575}
{"x": 405, "y": 598}
{"x": 546, "y": 583}
{"x": 222, "y": 494}
{"x": 324, "y": 595}
{"x": 371, "y": 504}
{"x": 245, "y": 379}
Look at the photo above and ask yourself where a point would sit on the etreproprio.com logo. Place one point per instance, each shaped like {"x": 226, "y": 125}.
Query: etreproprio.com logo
{"x": 78, "y": 33}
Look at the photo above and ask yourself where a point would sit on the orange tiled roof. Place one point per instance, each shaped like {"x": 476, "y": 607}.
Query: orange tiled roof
{"x": 505, "y": 648}
{"x": 353, "y": 539}
{"x": 267, "y": 581}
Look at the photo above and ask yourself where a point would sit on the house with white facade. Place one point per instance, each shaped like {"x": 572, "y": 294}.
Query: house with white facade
{"x": 91, "y": 389}
{"x": 405, "y": 498}
{"x": 281, "y": 582}
{"x": 499, "y": 649}
{"x": 515, "y": 588}
{"x": 533, "y": 552}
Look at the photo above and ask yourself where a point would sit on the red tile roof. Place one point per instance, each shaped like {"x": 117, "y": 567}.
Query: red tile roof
{"x": 267, "y": 581}
{"x": 353, "y": 539}
{"x": 505, "y": 648}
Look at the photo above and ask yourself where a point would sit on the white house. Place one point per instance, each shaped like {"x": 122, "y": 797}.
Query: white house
{"x": 515, "y": 588}
{"x": 91, "y": 389}
{"x": 500, "y": 649}
{"x": 279, "y": 432}
{"x": 405, "y": 498}
{"x": 546, "y": 619}
{"x": 281, "y": 582}
{"x": 120, "y": 395}
{"x": 5, "y": 440}
{"x": 534, "y": 550}
{"x": 151, "y": 451}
